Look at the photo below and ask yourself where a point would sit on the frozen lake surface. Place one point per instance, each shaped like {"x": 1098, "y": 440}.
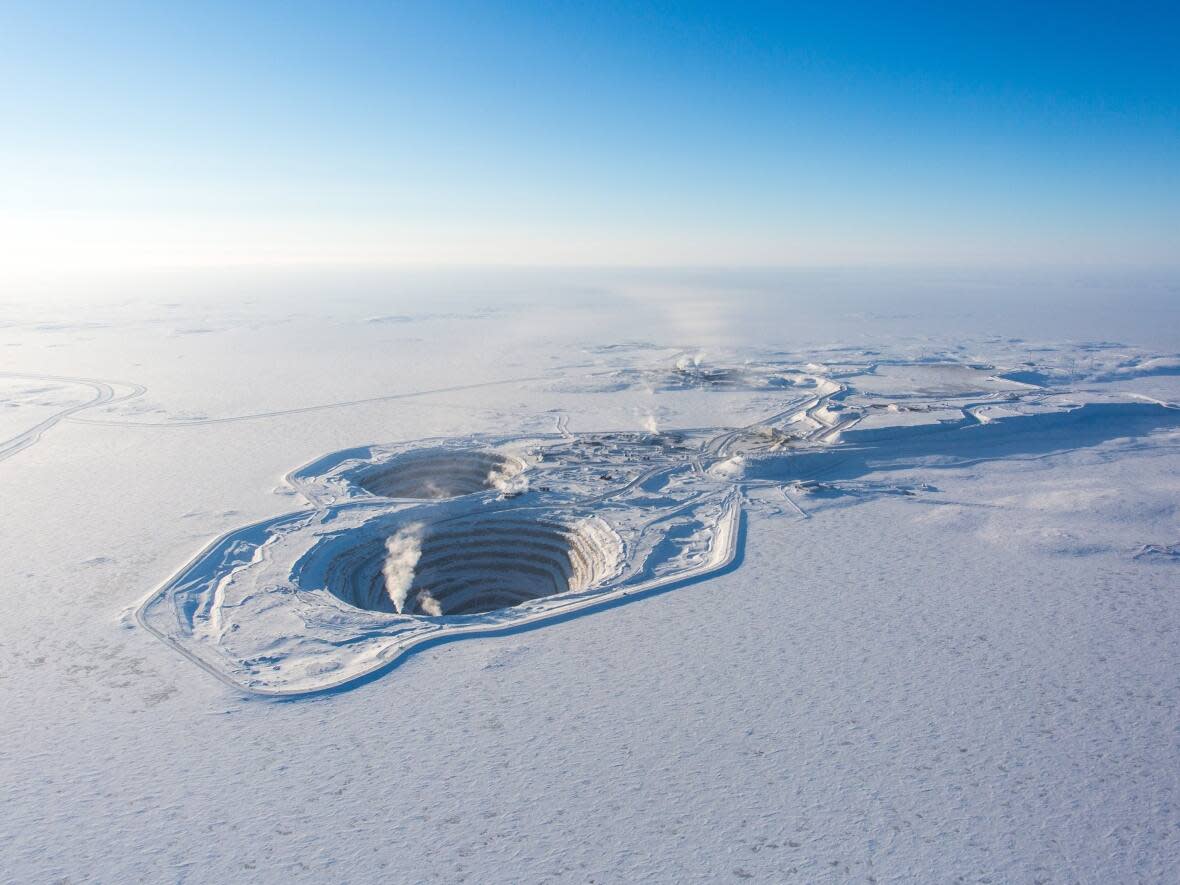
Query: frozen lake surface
{"x": 707, "y": 577}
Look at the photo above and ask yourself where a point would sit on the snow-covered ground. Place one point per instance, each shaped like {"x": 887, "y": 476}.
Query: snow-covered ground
{"x": 857, "y": 579}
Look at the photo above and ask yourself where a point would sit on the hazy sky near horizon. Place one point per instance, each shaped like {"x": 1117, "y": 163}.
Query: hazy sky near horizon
{"x": 176, "y": 134}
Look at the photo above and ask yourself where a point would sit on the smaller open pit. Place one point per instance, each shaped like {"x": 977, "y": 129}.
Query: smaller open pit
{"x": 435, "y": 474}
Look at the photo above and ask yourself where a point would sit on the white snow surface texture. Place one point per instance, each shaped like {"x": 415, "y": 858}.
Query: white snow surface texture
{"x": 928, "y": 662}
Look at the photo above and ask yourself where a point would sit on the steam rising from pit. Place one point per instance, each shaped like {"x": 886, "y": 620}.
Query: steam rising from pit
{"x": 402, "y": 552}
{"x": 436, "y": 474}
{"x": 428, "y": 605}
{"x": 507, "y": 480}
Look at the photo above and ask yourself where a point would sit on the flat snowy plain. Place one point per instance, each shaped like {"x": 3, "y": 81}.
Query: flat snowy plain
{"x": 940, "y": 643}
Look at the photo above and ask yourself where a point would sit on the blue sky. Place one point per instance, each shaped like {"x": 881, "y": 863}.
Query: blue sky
{"x": 596, "y": 133}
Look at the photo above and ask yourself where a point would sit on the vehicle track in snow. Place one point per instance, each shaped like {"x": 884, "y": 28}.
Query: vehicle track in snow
{"x": 104, "y": 394}
{"x": 300, "y": 410}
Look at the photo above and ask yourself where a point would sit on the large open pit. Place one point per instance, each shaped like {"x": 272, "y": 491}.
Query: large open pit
{"x": 475, "y": 564}
{"x": 434, "y": 474}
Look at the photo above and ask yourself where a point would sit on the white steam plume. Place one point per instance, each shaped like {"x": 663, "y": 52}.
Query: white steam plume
{"x": 507, "y": 481}
{"x": 402, "y": 551}
{"x": 428, "y": 604}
